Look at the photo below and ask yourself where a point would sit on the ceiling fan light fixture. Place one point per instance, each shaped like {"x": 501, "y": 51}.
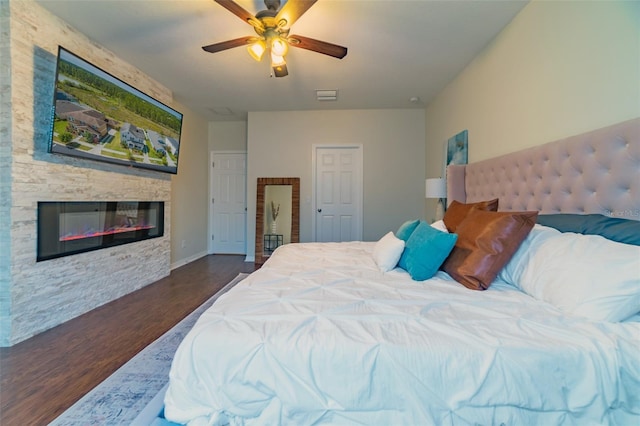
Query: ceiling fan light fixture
{"x": 279, "y": 46}
{"x": 277, "y": 60}
{"x": 257, "y": 49}
{"x": 272, "y": 27}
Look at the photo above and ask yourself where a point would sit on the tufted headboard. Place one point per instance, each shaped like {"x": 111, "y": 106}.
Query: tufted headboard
{"x": 596, "y": 172}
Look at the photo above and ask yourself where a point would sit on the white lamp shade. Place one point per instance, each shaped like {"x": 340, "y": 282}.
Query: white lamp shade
{"x": 436, "y": 188}
{"x": 257, "y": 49}
{"x": 277, "y": 60}
{"x": 279, "y": 47}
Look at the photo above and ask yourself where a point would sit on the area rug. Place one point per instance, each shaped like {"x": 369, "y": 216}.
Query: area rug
{"x": 134, "y": 394}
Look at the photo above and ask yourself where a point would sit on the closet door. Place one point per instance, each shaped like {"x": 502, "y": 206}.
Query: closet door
{"x": 229, "y": 203}
{"x": 338, "y": 193}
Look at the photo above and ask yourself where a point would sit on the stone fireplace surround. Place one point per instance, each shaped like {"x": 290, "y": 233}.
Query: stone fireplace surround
{"x": 36, "y": 296}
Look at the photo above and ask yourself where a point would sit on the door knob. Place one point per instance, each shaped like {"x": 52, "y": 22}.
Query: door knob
{"x": 319, "y": 210}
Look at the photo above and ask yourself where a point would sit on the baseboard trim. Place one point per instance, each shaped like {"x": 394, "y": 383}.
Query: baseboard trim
{"x": 189, "y": 259}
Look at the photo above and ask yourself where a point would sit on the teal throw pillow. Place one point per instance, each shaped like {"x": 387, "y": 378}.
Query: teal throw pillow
{"x": 425, "y": 250}
{"x": 406, "y": 229}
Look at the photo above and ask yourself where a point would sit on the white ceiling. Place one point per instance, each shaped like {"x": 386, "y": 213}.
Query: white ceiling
{"x": 398, "y": 49}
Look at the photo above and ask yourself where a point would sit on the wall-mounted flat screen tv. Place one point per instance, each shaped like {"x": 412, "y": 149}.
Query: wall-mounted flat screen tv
{"x": 99, "y": 117}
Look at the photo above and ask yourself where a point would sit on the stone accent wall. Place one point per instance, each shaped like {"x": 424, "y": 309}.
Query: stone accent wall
{"x": 5, "y": 166}
{"x": 45, "y": 294}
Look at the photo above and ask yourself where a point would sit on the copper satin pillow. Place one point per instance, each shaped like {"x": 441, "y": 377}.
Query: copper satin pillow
{"x": 486, "y": 242}
{"x": 456, "y": 212}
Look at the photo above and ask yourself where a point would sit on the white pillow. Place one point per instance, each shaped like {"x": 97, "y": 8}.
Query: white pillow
{"x": 587, "y": 275}
{"x": 440, "y": 226}
{"x": 513, "y": 270}
{"x": 387, "y": 252}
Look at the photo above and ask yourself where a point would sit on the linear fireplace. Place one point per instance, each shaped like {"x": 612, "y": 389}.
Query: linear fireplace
{"x": 66, "y": 228}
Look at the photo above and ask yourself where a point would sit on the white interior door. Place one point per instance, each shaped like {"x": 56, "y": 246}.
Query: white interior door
{"x": 338, "y": 193}
{"x": 229, "y": 203}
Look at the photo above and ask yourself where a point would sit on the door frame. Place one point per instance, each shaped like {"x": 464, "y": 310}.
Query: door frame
{"x": 314, "y": 149}
{"x": 212, "y": 156}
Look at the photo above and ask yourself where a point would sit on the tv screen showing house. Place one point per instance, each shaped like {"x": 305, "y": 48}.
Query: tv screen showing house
{"x": 99, "y": 117}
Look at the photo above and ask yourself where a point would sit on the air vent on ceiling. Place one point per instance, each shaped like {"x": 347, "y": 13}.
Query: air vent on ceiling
{"x": 222, "y": 111}
{"x": 327, "y": 95}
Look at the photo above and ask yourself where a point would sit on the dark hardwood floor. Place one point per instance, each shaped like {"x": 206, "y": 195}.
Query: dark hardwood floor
{"x": 44, "y": 375}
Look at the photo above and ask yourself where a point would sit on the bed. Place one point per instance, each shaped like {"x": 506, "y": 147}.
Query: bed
{"x": 404, "y": 330}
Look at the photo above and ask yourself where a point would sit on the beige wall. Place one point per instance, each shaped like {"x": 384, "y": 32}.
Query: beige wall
{"x": 228, "y": 136}
{"x": 280, "y": 145}
{"x": 558, "y": 69}
{"x": 190, "y": 191}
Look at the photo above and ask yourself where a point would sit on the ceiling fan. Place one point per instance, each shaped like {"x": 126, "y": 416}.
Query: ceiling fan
{"x": 272, "y": 27}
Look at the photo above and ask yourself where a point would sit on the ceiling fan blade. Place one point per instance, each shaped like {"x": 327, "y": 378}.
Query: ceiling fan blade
{"x": 292, "y": 10}
{"x": 280, "y": 70}
{"x": 318, "y": 46}
{"x": 229, "y": 44}
{"x": 240, "y": 12}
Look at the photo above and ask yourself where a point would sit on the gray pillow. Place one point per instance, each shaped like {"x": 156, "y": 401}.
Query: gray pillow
{"x": 612, "y": 228}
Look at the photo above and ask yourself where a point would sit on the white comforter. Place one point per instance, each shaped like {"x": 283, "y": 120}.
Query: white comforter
{"x": 319, "y": 336}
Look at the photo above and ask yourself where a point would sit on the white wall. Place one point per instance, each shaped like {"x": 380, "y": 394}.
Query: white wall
{"x": 558, "y": 69}
{"x": 280, "y": 145}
